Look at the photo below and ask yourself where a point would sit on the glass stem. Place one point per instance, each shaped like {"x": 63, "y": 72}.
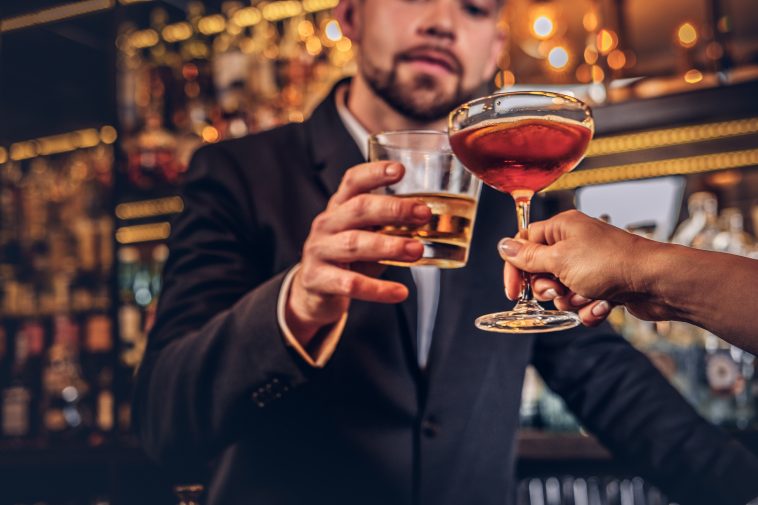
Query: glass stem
{"x": 523, "y": 205}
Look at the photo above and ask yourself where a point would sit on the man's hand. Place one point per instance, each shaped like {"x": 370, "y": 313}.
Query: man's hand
{"x": 590, "y": 267}
{"x": 341, "y": 252}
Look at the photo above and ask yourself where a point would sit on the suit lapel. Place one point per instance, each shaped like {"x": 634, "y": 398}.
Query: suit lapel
{"x": 453, "y": 299}
{"x": 333, "y": 151}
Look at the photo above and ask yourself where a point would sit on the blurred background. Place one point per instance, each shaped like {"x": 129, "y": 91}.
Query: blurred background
{"x": 102, "y": 103}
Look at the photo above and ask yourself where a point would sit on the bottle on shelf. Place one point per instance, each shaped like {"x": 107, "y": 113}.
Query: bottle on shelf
{"x": 702, "y": 223}
{"x": 99, "y": 361}
{"x": 21, "y": 396}
{"x": 733, "y": 238}
{"x": 66, "y": 414}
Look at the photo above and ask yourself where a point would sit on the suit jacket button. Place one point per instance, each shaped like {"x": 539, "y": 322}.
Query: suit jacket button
{"x": 430, "y": 428}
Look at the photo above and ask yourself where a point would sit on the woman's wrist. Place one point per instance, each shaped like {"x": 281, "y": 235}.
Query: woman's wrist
{"x": 665, "y": 267}
{"x": 649, "y": 262}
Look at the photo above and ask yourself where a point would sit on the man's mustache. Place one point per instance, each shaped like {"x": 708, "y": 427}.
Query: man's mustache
{"x": 440, "y": 55}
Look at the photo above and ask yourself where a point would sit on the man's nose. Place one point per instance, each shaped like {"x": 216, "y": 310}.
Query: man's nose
{"x": 439, "y": 21}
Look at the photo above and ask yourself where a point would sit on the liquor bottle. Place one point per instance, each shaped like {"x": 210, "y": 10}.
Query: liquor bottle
{"x": 9, "y": 215}
{"x": 733, "y": 239}
{"x": 104, "y": 408}
{"x": 703, "y": 210}
{"x": 531, "y": 392}
{"x": 190, "y": 494}
{"x": 66, "y": 413}
{"x": 105, "y": 241}
{"x": 98, "y": 361}
{"x": 20, "y": 398}
{"x": 727, "y": 397}
{"x": 159, "y": 255}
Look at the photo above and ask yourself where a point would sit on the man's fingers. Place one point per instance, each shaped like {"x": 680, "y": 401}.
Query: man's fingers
{"x": 329, "y": 280}
{"x": 364, "y": 246}
{"x": 366, "y": 210}
{"x": 528, "y": 256}
{"x": 366, "y": 177}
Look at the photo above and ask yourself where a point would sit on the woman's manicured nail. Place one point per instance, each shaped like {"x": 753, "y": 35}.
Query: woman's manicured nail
{"x": 550, "y": 294}
{"x": 601, "y": 309}
{"x": 509, "y": 247}
{"x": 579, "y": 300}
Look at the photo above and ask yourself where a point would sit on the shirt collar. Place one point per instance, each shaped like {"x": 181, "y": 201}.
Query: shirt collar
{"x": 354, "y": 127}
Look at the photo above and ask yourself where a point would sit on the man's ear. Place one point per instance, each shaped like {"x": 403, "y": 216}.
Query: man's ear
{"x": 346, "y": 13}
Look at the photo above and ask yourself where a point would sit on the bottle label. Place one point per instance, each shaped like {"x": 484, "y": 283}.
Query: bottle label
{"x": 105, "y": 410}
{"x": 99, "y": 334}
{"x": 55, "y": 420}
{"x": 16, "y": 411}
{"x": 35, "y": 338}
{"x": 723, "y": 374}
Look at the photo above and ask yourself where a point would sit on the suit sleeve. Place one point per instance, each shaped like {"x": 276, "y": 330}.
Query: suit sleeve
{"x": 633, "y": 410}
{"x": 216, "y": 358}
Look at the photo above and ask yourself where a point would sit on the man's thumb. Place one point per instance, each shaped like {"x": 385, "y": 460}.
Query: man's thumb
{"x": 527, "y": 256}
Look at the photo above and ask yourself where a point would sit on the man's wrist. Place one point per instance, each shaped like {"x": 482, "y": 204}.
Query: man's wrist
{"x": 302, "y": 328}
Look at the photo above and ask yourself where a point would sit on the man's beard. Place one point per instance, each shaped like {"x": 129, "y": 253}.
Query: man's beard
{"x": 423, "y": 100}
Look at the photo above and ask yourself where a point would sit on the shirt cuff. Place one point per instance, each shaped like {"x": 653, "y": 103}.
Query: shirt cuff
{"x": 323, "y": 344}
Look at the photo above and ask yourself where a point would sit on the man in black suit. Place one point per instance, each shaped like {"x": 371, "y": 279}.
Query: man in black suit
{"x": 304, "y": 372}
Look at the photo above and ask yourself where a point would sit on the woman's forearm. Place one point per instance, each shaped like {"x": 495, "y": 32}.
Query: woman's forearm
{"x": 716, "y": 291}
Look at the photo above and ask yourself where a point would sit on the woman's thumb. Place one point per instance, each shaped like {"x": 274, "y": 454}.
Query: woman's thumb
{"x": 527, "y": 256}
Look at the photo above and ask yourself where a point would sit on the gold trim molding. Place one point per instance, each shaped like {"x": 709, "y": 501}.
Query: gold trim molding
{"x": 674, "y": 166}
{"x": 667, "y": 137}
{"x": 54, "y": 14}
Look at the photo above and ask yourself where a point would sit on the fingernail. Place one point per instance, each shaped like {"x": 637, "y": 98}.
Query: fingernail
{"x": 392, "y": 170}
{"x": 601, "y": 309}
{"x": 578, "y": 300}
{"x": 509, "y": 247}
{"x": 550, "y": 294}
{"x": 411, "y": 248}
{"x": 421, "y": 211}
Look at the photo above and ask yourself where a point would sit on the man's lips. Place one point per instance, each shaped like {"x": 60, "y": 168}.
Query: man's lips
{"x": 434, "y": 57}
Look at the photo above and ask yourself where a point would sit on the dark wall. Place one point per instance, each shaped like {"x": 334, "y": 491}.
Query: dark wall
{"x": 57, "y": 77}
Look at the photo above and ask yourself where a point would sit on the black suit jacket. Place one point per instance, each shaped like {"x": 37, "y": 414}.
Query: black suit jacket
{"x": 218, "y": 384}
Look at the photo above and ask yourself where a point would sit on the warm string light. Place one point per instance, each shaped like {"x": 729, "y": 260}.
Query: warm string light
{"x": 558, "y": 58}
{"x": 282, "y": 9}
{"x": 248, "y": 16}
{"x": 543, "y": 27}
{"x": 143, "y": 233}
{"x": 230, "y": 24}
{"x": 607, "y": 41}
{"x": 687, "y": 35}
{"x": 149, "y": 208}
{"x": 693, "y": 76}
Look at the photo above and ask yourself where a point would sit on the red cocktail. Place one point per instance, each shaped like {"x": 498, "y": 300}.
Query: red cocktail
{"x": 520, "y": 143}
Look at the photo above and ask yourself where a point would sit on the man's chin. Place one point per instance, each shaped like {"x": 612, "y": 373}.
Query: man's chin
{"x": 434, "y": 82}
{"x": 425, "y": 91}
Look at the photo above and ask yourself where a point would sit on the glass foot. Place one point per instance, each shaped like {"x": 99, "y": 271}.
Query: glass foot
{"x": 528, "y": 317}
